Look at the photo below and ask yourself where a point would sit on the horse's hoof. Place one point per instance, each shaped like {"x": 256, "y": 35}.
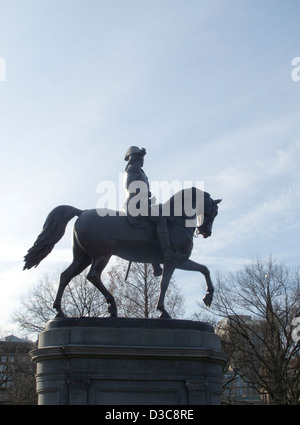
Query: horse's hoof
{"x": 165, "y": 315}
{"x": 113, "y": 312}
{"x": 207, "y": 299}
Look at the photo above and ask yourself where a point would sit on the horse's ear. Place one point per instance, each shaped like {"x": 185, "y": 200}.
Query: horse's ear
{"x": 217, "y": 201}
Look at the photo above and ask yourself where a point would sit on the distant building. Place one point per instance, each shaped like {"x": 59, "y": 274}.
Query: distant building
{"x": 227, "y": 321}
{"x": 235, "y": 389}
{"x": 16, "y": 370}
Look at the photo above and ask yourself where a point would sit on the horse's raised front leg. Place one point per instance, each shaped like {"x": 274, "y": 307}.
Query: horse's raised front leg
{"x": 167, "y": 273}
{"x": 193, "y": 266}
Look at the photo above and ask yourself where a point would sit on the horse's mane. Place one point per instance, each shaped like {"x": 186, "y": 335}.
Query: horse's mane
{"x": 190, "y": 196}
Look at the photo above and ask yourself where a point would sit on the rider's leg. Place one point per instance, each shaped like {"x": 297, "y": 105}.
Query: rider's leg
{"x": 163, "y": 238}
{"x": 157, "y": 270}
{"x": 164, "y": 241}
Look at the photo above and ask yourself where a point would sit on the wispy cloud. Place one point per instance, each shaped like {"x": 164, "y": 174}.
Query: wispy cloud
{"x": 261, "y": 201}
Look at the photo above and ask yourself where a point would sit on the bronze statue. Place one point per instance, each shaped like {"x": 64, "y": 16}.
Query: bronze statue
{"x": 96, "y": 237}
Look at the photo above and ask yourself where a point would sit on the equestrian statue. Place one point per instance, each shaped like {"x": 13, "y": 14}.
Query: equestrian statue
{"x": 146, "y": 232}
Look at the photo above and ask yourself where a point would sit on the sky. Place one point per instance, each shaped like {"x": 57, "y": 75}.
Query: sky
{"x": 209, "y": 88}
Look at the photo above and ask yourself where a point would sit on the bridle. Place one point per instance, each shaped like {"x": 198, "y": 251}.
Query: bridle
{"x": 208, "y": 219}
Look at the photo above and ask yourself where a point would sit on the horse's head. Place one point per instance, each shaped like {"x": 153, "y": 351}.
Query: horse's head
{"x": 210, "y": 213}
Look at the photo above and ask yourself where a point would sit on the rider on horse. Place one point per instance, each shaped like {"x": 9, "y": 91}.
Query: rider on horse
{"x": 134, "y": 173}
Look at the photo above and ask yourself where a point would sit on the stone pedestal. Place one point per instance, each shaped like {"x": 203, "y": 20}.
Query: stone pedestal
{"x": 118, "y": 361}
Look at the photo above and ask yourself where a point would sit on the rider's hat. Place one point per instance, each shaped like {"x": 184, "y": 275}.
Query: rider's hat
{"x": 134, "y": 150}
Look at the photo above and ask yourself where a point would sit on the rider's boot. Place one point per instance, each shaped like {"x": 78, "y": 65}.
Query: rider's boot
{"x": 157, "y": 270}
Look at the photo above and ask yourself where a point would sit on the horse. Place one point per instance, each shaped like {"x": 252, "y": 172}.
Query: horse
{"x": 100, "y": 233}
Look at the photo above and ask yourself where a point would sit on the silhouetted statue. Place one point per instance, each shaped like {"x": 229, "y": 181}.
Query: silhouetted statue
{"x": 98, "y": 235}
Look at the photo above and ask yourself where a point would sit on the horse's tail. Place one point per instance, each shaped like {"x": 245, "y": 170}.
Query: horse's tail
{"x": 53, "y": 230}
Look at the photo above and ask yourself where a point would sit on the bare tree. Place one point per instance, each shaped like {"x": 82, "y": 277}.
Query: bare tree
{"x": 262, "y": 349}
{"x": 80, "y": 299}
{"x": 17, "y": 373}
{"x": 137, "y": 297}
